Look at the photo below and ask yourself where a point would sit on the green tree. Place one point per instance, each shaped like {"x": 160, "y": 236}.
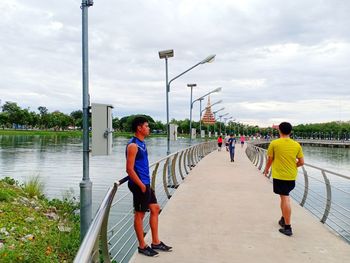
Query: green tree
{"x": 4, "y": 119}
{"x": 14, "y": 112}
{"x": 44, "y": 117}
{"x": 77, "y": 117}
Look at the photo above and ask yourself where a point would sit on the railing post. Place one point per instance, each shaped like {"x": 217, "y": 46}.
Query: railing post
{"x": 186, "y": 159}
{"x": 306, "y": 186}
{"x": 329, "y": 197}
{"x": 104, "y": 228}
{"x": 154, "y": 176}
{"x": 165, "y": 184}
{"x": 180, "y": 169}
{"x": 261, "y": 155}
{"x": 173, "y": 171}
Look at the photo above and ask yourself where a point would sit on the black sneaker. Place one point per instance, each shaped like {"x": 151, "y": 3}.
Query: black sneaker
{"x": 147, "y": 251}
{"x": 161, "y": 246}
{"x": 281, "y": 222}
{"x": 286, "y": 231}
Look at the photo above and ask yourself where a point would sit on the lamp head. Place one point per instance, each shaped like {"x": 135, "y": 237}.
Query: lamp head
{"x": 191, "y": 85}
{"x": 208, "y": 59}
{"x": 166, "y": 53}
{"x": 217, "y": 89}
{"x": 219, "y": 110}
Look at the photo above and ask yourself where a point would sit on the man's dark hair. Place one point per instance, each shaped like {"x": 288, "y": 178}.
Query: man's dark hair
{"x": 285, "y": 128}
{"x": 137, "y": 121}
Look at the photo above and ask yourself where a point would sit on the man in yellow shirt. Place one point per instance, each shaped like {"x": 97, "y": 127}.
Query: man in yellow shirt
{"x": 285, "y": 155}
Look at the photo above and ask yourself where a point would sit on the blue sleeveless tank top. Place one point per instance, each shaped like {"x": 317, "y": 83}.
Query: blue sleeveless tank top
{"x": 141, "y": 166}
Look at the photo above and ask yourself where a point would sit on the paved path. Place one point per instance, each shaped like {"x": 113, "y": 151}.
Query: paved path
{"x": 226, "y": 212}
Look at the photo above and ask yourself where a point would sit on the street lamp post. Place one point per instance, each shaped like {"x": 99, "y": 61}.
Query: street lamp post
{"x": 220, "y": 120}
{"x": 226, "y": 119}
{"x": 191, "y": 107}
{"x": 200, "y": 107}
{"x": 215, "y": 116}
{"x": 85, "y": 185}
{"x": 167, "y": 54}
{"x": 200, "y": 116}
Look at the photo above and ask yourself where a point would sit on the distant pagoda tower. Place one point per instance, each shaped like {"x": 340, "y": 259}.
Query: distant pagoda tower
{"x": 208, "y": 117}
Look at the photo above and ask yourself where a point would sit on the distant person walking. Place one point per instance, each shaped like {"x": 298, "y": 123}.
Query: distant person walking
{"x": 219, "y": 143}
{"x": 144, "y": 199}
{"x": 231, "y": 146}
{"x": 285, "y": 155}
{"x": 242, "y": 140}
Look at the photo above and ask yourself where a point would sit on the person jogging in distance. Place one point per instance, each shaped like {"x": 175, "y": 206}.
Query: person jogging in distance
{"x": 219, "y": 143}
{"x": 144, "y": 199}
{"x": 231, "y": 145}
{"x": 285, "y": 155}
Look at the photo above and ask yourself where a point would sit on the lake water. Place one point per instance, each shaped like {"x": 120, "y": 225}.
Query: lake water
{"x": 58, "y": 162}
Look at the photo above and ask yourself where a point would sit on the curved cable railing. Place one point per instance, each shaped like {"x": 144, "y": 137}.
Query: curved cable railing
{"x": 324, "y": 193}
{"x": 111, "y": 237}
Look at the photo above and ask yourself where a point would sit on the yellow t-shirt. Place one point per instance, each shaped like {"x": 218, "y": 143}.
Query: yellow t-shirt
{"x": 284, "y": 152}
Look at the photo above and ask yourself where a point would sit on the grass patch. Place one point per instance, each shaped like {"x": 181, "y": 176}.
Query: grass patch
{"x": 41, "y": 133}
{"x": 37, "y": 230}
{"x": 34, "y": 187}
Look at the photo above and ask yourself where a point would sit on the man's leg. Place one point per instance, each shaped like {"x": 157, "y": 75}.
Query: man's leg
{"x": 138, "y": 226}
{"x": 286, "y": 209}
{"x": 153, "y": 221}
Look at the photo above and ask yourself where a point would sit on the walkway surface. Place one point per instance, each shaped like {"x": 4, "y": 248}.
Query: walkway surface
{"x": 226, "y": 212}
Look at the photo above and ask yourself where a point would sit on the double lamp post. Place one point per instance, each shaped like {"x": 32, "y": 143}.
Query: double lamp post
{"x": 165, "y": 54}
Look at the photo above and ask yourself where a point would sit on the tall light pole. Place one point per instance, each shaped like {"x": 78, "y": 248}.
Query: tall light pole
{"x": 200, "y": 116}
{"x": 215, "y": 116}
{"x": 226, "y": 119}
{"x": 191, "y": 107}
{"x": 220, "y": 121}
{"x": 85, "y": 184}
{"x": 200, "y": 106}
{"x": 167, "y": 54}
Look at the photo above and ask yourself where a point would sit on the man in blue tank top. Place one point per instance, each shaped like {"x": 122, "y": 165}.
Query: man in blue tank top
{"x": 144, "y": 198}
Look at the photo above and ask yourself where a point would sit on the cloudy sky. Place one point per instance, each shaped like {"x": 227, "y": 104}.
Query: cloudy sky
{"x": 275, "y": 60}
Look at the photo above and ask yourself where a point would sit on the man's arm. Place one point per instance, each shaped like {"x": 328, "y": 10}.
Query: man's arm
{"x": 130, "y": 162}
{"x": 300, "y": 162}
{"x": 268, "y": 165}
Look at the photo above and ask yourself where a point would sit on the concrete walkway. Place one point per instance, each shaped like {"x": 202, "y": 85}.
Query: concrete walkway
{"x": 227, "y": 212}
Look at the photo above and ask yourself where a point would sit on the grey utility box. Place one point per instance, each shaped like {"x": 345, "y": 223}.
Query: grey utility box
{"x": 101, "y": 122}
{"x": 173, "y": 132}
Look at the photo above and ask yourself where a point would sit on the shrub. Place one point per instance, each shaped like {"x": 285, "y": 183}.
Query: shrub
{"x": 34, "y": 187}
{"x": 6, "y": 194}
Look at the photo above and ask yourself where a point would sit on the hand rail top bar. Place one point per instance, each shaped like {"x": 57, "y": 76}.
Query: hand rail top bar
{"x": 328, "y": 171}
{"x": 172, "y": 154}
{"x": 310, "y": 165}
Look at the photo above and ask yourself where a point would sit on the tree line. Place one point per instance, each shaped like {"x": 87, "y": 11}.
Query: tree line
{"x": 13, "y": 116}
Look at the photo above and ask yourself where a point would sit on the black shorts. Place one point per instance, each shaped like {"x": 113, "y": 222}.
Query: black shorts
{"x": 283, "y": 187}
{"x": 142, "y": 200}
{"x": 219, "y": 144}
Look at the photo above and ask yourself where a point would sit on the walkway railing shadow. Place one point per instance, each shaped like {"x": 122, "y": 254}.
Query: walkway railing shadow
{"x": 324, "y": 193}
{"x": 111, "y": 237}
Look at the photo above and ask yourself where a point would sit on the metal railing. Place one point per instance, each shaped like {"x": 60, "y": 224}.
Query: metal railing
{"x": 111, "y": 237}
{"x": 324, "y": 193}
